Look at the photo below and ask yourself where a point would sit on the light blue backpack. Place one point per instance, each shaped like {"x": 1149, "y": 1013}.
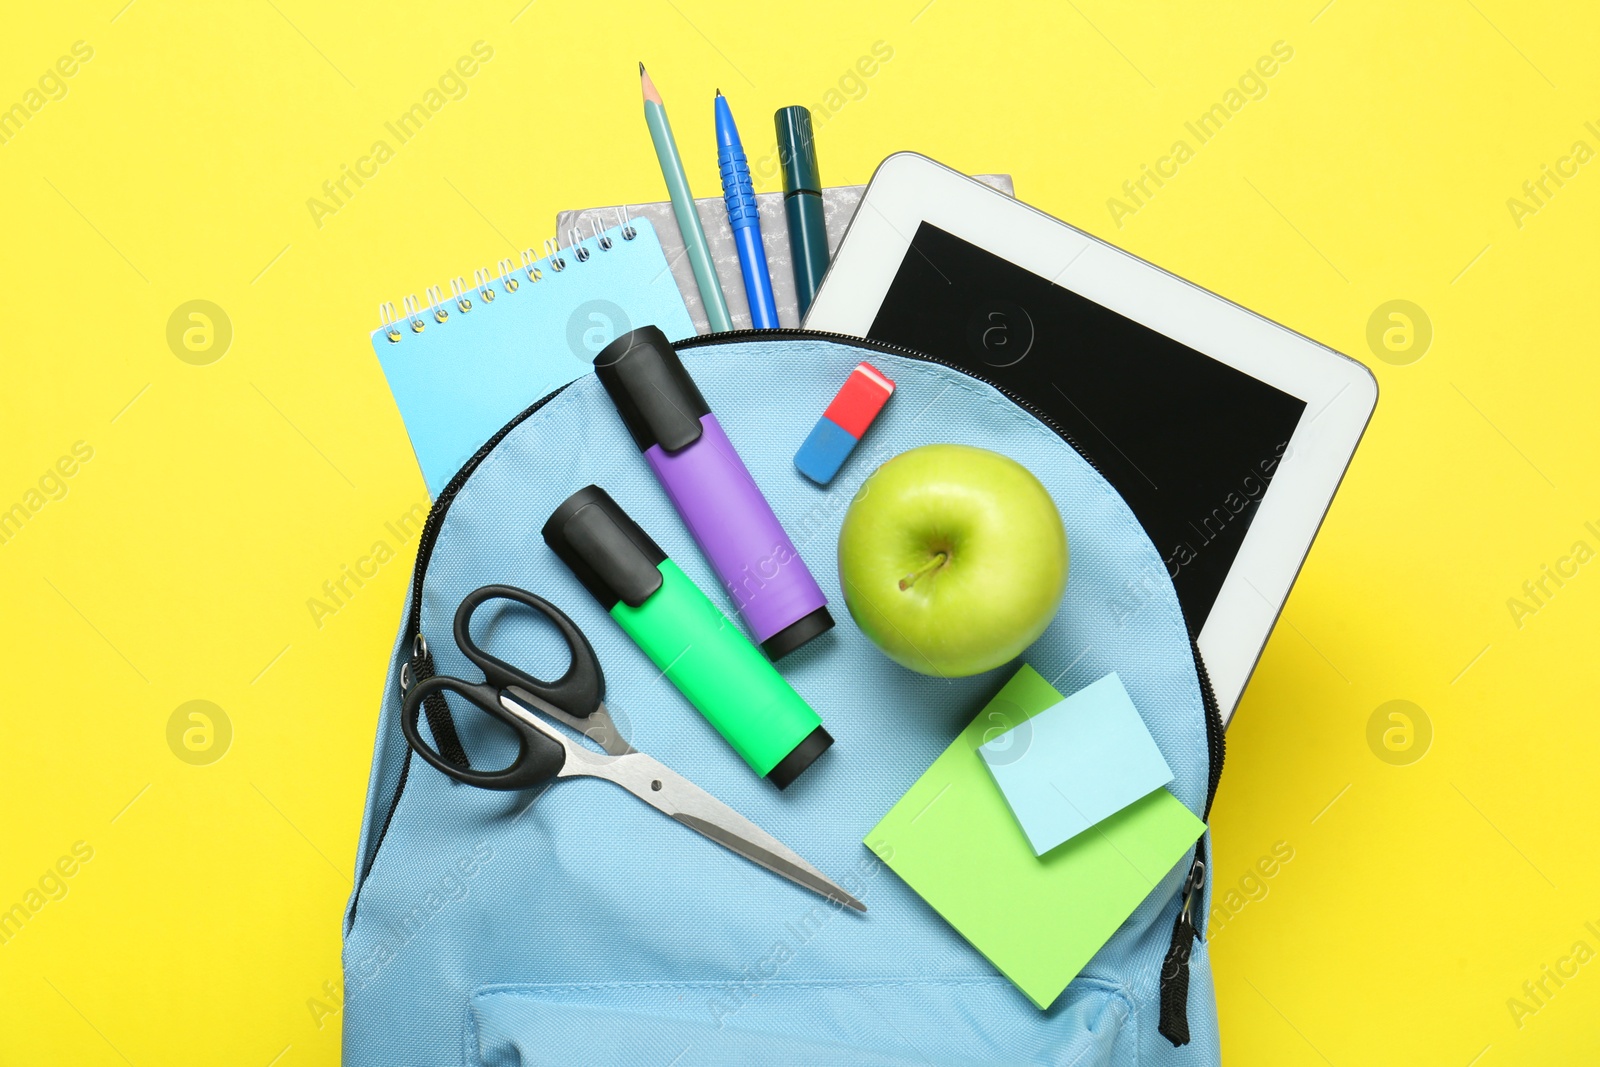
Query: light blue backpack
{"x": 576, "y": 926}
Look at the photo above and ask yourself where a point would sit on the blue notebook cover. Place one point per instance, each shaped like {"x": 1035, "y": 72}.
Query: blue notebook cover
{"x": 464, "y": 365}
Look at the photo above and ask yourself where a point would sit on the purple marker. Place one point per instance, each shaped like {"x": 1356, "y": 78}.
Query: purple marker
{"x": 710, "y": 486}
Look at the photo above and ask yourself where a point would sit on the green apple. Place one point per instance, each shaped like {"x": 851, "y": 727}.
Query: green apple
{"x": 952, "y": 559}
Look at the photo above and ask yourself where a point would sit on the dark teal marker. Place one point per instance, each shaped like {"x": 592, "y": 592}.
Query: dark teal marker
{"x": 802, "y": 202}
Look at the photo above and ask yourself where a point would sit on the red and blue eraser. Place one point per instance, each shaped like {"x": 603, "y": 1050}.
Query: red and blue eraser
{"x": 844, "y": 423}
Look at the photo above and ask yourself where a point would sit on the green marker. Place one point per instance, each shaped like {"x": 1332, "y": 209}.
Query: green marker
{"x": 699, "y": 650}
{"x": 694, "y": 235}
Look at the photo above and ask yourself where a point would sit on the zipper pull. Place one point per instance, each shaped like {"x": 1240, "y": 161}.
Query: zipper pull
{"x": 1174, "y": 1023}
{"x": 440, "y": 722}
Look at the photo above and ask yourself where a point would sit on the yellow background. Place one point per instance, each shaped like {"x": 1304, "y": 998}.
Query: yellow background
{"x": 219, "y": 498}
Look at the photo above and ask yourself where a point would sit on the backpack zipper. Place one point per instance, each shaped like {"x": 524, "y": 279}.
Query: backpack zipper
{"x": 1173, "y": 1022}
{"x": 420, "y": 665}
{"x": 443, "y": 727}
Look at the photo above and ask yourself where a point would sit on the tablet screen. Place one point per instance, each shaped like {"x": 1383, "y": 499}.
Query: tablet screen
{"x": 1189, "y": 442}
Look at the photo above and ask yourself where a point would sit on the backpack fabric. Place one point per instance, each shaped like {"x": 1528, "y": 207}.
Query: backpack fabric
{"x": 572, "y": 924}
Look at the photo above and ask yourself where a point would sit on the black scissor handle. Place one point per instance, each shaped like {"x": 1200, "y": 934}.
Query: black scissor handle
{"x": 539, "y": 758}
{"x": 578, "y": 692}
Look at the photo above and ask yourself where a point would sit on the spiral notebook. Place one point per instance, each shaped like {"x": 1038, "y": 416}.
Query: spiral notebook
{"x": 461, "y": 366}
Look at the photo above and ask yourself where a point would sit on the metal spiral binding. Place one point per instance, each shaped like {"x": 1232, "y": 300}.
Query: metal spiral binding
{"x": 575, "y": 242}
{"x": 552, "y": 253}
{"x": 483, "y": 281}
{"x": 508, "y": 279}
{"x": 387, "y": 319}
{"x": 413, "y": 312}
{"x": 529, "y": 265}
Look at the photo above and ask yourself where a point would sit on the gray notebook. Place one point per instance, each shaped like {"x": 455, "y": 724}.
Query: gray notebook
{"x": 838, "y": 205}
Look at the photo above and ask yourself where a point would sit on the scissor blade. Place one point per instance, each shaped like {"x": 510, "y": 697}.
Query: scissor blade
{"x": 672, "y": 794}
{"x": 597, "y": 727}
{"x": 787, "y": 864}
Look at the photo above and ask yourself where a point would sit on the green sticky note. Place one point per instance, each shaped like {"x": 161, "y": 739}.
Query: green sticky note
{"x": 1039, "y": 919}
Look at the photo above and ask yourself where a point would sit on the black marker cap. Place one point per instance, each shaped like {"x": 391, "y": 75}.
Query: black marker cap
{"x": 803, "y": 755}
{"x": 797, "y": 633}
{"x": 610, "y": 554}
{"x": 658, "y": 401}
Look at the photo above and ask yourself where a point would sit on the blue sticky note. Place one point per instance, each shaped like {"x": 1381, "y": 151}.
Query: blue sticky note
{"x": 1076, "y": 763}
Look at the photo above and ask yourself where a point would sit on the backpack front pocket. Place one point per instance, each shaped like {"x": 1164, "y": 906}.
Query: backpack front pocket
{"x": 891, "y": 1023}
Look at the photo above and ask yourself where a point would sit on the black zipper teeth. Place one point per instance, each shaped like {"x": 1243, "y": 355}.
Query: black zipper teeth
{"x": 1215, "y": 744}
{"x": 435, "y": 520}
{"x": 1216, "y": 735}
{"x": 430, "y": 536}
{"x": 897, "y": 350}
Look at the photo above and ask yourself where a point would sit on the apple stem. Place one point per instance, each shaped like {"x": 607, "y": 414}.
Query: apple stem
{"x": 939, "y": 560}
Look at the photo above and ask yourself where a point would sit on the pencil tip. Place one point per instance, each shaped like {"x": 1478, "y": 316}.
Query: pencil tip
{"x": 648, "y": 87}
{"x": 641, "y": 66}
{"x": 719, "y": 92}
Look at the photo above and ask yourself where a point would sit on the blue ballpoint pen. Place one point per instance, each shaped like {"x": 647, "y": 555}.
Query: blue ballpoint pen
{"x": 740, "y": 196}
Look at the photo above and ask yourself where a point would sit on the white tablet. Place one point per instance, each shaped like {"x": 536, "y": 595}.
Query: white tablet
{"x": 1226, "y": 433}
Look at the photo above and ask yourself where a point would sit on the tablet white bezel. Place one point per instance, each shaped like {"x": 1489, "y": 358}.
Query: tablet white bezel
{"x": 1339, "y": 392}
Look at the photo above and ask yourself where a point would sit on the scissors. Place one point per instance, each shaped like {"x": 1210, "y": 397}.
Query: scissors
{"x": 544, "y": 752}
